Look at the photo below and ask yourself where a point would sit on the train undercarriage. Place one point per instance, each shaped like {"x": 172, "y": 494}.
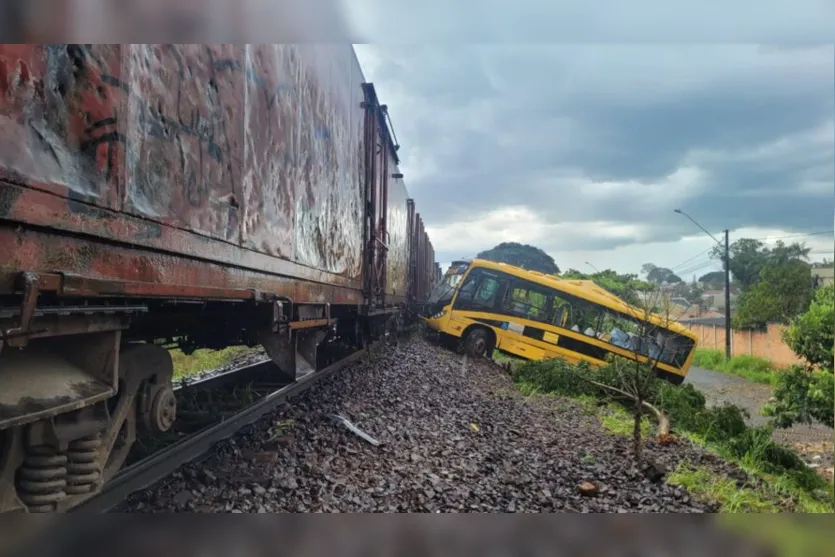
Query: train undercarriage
{"x": 80, "y": 381}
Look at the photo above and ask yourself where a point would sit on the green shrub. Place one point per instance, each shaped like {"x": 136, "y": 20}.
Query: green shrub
{"x": 688, "y": 412}
{"x": 812, "y": 334}
{"x": 802, "y": 396}
{"x": 555, "y": 376}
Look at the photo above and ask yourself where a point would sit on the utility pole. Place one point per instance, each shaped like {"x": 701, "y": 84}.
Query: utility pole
{"x": 726, "y": 261}
{"x": 727, "y": 264}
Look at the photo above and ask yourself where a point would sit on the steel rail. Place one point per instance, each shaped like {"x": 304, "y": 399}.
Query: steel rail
{"x": 159, "y": 465}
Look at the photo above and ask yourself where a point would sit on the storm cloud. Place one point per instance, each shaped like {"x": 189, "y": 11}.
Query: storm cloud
{"x": 591, "y": 147}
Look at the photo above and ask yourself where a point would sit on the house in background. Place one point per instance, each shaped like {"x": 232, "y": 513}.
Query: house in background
{"x": 822, "y": 276}
{"x": 715, "y": 300}
{"x": 675, "y": 307}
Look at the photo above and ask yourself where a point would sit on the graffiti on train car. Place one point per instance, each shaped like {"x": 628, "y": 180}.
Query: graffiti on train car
{"x": 255, "y": 145}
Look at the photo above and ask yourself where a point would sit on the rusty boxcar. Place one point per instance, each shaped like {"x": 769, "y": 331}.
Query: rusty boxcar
{"x": 203, "y": 195}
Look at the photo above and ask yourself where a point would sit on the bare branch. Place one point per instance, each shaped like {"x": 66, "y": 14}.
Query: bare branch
{"x": 660, "y": 415}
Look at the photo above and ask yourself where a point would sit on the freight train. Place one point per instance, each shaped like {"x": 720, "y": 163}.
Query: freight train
{"x": 200, "y": 196}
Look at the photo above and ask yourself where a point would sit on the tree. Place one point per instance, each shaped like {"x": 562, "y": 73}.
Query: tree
{"x": 636, "y": 381}
{"x": 812, "y": 334}
{"x": 659, "y": 275}
{"x": 625, "y": 287}
{"x": 782, "y": 292}
{"x": 749, "y": 257}
{"x": 714, "y": 280}
{"x": 522, "y": 255}
{"x": 806, "y": 394}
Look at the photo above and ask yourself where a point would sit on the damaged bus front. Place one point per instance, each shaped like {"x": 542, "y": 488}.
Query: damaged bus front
{"x": 442, "y": 295}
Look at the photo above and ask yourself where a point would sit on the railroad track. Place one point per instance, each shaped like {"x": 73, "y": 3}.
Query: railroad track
{"x": 148, "y": 471}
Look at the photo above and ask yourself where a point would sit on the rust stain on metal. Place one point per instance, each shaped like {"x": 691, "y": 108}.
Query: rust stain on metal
{"x": 244, "y": 160}
{"x": 256, "y": 146}
{"x": 310, "y": 323}
{"x": 397, "y": 225}
{"x": 178, "y": 277}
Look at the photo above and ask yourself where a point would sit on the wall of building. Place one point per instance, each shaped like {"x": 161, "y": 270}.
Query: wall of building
{"x": 766, "y": 344}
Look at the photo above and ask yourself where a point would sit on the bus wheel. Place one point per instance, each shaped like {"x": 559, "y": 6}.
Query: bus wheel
{"x": 477, "y": 343}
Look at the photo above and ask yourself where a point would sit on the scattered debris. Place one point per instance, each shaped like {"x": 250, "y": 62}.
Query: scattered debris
{"x": 355, "y": 430}
{"x": 654, "y": 472}
{"x": 666, "y": 439}
{"x": 587, "y": 489}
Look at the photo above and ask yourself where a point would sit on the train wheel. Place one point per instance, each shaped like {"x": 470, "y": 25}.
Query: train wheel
{"x": 145, "y": 396}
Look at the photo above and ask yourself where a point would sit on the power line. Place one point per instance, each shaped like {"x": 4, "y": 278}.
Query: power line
{"x": 697, "y": 265}
{"x": 695, "y": 268}
{"x": 795, "y": 235}
{"x": 686, "y": 261}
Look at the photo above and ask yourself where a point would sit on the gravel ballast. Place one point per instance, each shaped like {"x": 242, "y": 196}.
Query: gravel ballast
{"x": 455, "y": 436}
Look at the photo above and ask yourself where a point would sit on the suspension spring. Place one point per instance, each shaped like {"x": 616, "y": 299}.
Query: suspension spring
{"x": 83, "y": 468}
{"x": 42, "y": 478}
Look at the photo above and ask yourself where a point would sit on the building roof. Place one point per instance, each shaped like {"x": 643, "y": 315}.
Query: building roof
{"x": 718, "y": 321}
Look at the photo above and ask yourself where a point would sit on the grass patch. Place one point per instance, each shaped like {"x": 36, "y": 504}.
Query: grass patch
{"x": 791, "y": 485}
{"x": 758, "y": 370}
{"x": 618, "y": 421}
{"x": 706, "y": 485}
{"x": 783, "y": 480}
{"x": 204, "y": 360}
{"x": 506, "y": 359}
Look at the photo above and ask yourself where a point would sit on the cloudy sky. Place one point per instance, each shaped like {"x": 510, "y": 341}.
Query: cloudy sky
{"x": 585, "y": 150}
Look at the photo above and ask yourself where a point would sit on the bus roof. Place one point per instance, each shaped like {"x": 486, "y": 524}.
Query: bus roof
{"x": 587, "y": 290}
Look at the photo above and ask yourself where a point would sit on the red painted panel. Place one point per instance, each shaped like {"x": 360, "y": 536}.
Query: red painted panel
{"x": 255, "y": 147}
{"x": 61, "y": 126}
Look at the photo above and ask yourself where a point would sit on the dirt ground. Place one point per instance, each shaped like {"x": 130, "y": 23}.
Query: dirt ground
{"x": 814, "y": 443}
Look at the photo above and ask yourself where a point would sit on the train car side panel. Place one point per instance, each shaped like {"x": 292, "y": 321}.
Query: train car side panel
{"x": 328, "y": 206}
{"x": 255, "y": 147}
{"x": 397, "y": 240}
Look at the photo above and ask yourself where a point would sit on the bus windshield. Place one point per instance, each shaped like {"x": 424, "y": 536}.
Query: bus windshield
{"x": 446, "y": 288}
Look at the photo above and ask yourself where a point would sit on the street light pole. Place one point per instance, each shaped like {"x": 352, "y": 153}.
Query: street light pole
{"x": 726, "y": 263}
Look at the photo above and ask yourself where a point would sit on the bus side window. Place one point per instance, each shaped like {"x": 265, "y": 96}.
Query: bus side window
{"x": 587, "y": 319}
{"x": 529, "y": 301}
{"x": 562, "y": 312}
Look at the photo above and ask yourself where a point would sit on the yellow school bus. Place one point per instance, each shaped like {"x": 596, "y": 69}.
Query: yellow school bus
{"x": 494, "y": 306}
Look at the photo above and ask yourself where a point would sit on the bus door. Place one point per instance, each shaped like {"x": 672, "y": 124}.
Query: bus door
{"x": 479, "y": 294}
{"x": 531, "y": 302}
